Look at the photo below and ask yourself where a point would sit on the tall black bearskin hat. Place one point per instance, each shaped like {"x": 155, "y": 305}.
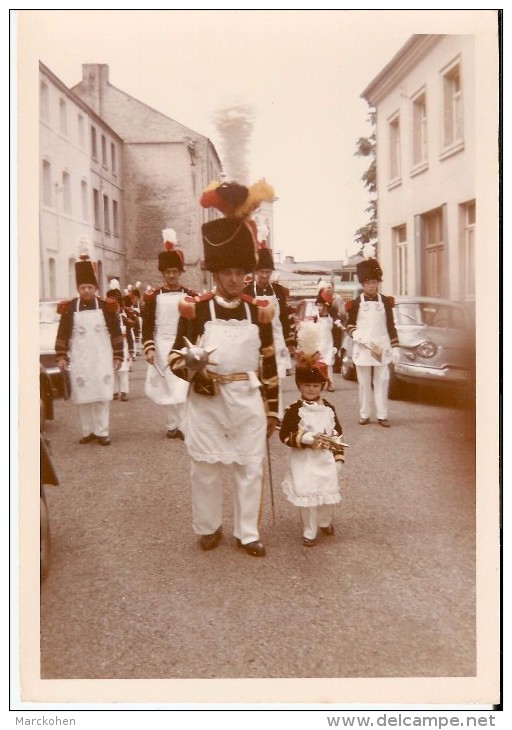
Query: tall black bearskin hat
{"x": 85, "y": 269}
{"x": 171, "y": 257}
{"x": 368, "y": 269}
{"x": 231, "y": 242}
{"x": 309, "y": 367}
{"x": 265, "y": 259}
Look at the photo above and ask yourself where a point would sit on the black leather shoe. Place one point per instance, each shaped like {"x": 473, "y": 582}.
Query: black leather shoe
{"x": 209, "y": 542}
{"x": 87, "y": 439}
{"x": 329, "y": 530}
{"x": 364, "y": 421}
{"x": 384, "y": 423}
{"x": 103, "y": 440}
{"x": 309, "y": 541}
{"x": 124, "y": 396}
{"x": 256, "y": 548}
{"x": 174, "y": 433}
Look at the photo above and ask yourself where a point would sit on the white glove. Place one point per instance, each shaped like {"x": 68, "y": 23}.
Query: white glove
{"x": 395, "y": 355}
{"x": 307, "y": 438}
{"x": 357, "y": 336}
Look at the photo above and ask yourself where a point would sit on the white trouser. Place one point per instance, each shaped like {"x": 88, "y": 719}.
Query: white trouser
{"x": 94, "y": 417}
{"x": 174, "y": 416}
{"x": 207, "y": 486}
{"x": 315, "y": 517}
{"x": 122, "y": 381}
{"x": 380, "y": 390}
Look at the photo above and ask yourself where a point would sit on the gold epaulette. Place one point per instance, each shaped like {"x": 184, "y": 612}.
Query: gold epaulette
{"x": 264, "y": 306}
{"x": 187, "y": 305}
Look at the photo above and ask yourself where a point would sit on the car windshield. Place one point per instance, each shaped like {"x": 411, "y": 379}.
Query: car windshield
{"x": 430, "y": 314}
{"x": 48, "y": 313}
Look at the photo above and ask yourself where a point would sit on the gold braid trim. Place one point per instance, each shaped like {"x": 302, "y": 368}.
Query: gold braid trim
{"x": 268, "y": 351}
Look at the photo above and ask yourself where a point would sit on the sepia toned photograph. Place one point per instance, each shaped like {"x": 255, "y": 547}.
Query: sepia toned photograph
{"x": 258, "y": 252}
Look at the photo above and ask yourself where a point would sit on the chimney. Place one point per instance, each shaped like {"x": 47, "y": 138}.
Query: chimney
{"x": 94, "y": 83}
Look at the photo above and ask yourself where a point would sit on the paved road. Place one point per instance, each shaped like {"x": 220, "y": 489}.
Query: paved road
{"x": 392, "y": 594}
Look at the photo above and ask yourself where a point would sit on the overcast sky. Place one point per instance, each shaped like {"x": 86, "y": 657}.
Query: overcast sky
{"x": 301, "y": 73}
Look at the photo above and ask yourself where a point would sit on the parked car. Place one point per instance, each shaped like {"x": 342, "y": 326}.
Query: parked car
{"x": 48, "y": 325}
{"x": 47, "y": 474}
{"x": 437, "y": 346}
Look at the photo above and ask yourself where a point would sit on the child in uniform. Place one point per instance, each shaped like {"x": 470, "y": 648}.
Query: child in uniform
{"x": 312, "y": 480}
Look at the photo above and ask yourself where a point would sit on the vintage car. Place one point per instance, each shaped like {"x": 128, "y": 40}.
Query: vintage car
{"x": 437, "y": 346}
{"x": 48, "y": 325}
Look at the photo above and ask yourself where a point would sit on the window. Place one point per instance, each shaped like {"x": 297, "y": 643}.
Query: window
{"x": 452, "y": 107}
{"x": 66, "y": 192}
{"x": 103, "y": 150}
{"x": 94, "y": 144}
{"x": 52, "y": 279}
{"x": 85, "y": 200}
{"x": 81, "y": 131}
{"x": 113, "y": 156}
{"x": 469, "y": 250}
{"x": 115, "y": 217}
{"x": 47, "y": 184}
{"x": 419, "y": 130}
{"x": 96, "y": 204}
{"x": 400, "y": 246}
{"x": 394, "y": 150}
{"x": 433, "y": 254}
{"x": 63, "y": 117}
{"x": 106, "y": 214}
{"x": 44, "y": 102}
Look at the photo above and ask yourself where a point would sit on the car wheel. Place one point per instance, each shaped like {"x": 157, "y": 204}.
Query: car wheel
{"x": 348, "y": 371}
{"x": 45, "y": 541}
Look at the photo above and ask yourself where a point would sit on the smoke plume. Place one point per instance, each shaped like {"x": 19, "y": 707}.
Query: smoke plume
{"x": 234, "y": 124}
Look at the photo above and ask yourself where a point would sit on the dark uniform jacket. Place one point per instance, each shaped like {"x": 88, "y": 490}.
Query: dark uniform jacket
{"x": 281, "y": 293}
{"x": 290, "y": 433}
{"x": 196, "y": 312}
{"x": 352, "y": 307}
{"x": 149, "y": 314}
{"x": 109, "y": 307}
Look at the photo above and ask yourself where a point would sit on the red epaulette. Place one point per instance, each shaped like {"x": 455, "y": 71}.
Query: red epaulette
{"x": 111, "y": 304}
{"x": 149, "y": 295}
{"x": 348, "y": 305}
{"x": 265, "y": 307}
{"x": 62, "y": 306}
{"x": 391, "y": 301}
{"x": 187, "y": 305}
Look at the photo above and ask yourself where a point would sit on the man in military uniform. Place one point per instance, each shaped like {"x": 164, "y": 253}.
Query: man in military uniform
{"x": 262, "y": 289}
{"x": 90, "y": 340}
{"x": 159, "y": 326}
{"x": 372, "y": 328}
{"x": 233, "y": 397}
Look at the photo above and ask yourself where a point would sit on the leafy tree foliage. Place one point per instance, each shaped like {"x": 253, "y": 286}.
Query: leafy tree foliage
{"x": 366, "y": 147}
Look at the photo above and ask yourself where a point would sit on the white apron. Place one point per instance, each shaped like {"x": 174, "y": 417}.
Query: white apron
{"x": 312, "y": 477}
{"x": 231, "y": 426}
{"x": 283, "y": 360}
{"x": 91, "y": 366}
{"x": 371, "y": 324}
{"x": 169, "y": 389}
{"x": 325, "y": 345}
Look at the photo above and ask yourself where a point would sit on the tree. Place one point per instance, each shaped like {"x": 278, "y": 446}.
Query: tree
{"x": 366, "y": 147}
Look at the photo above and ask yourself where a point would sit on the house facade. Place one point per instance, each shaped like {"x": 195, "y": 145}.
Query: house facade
{"x": 425, "y": 109}
{"x": 166, "y": 166}
{"x": 80, "y": 190}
